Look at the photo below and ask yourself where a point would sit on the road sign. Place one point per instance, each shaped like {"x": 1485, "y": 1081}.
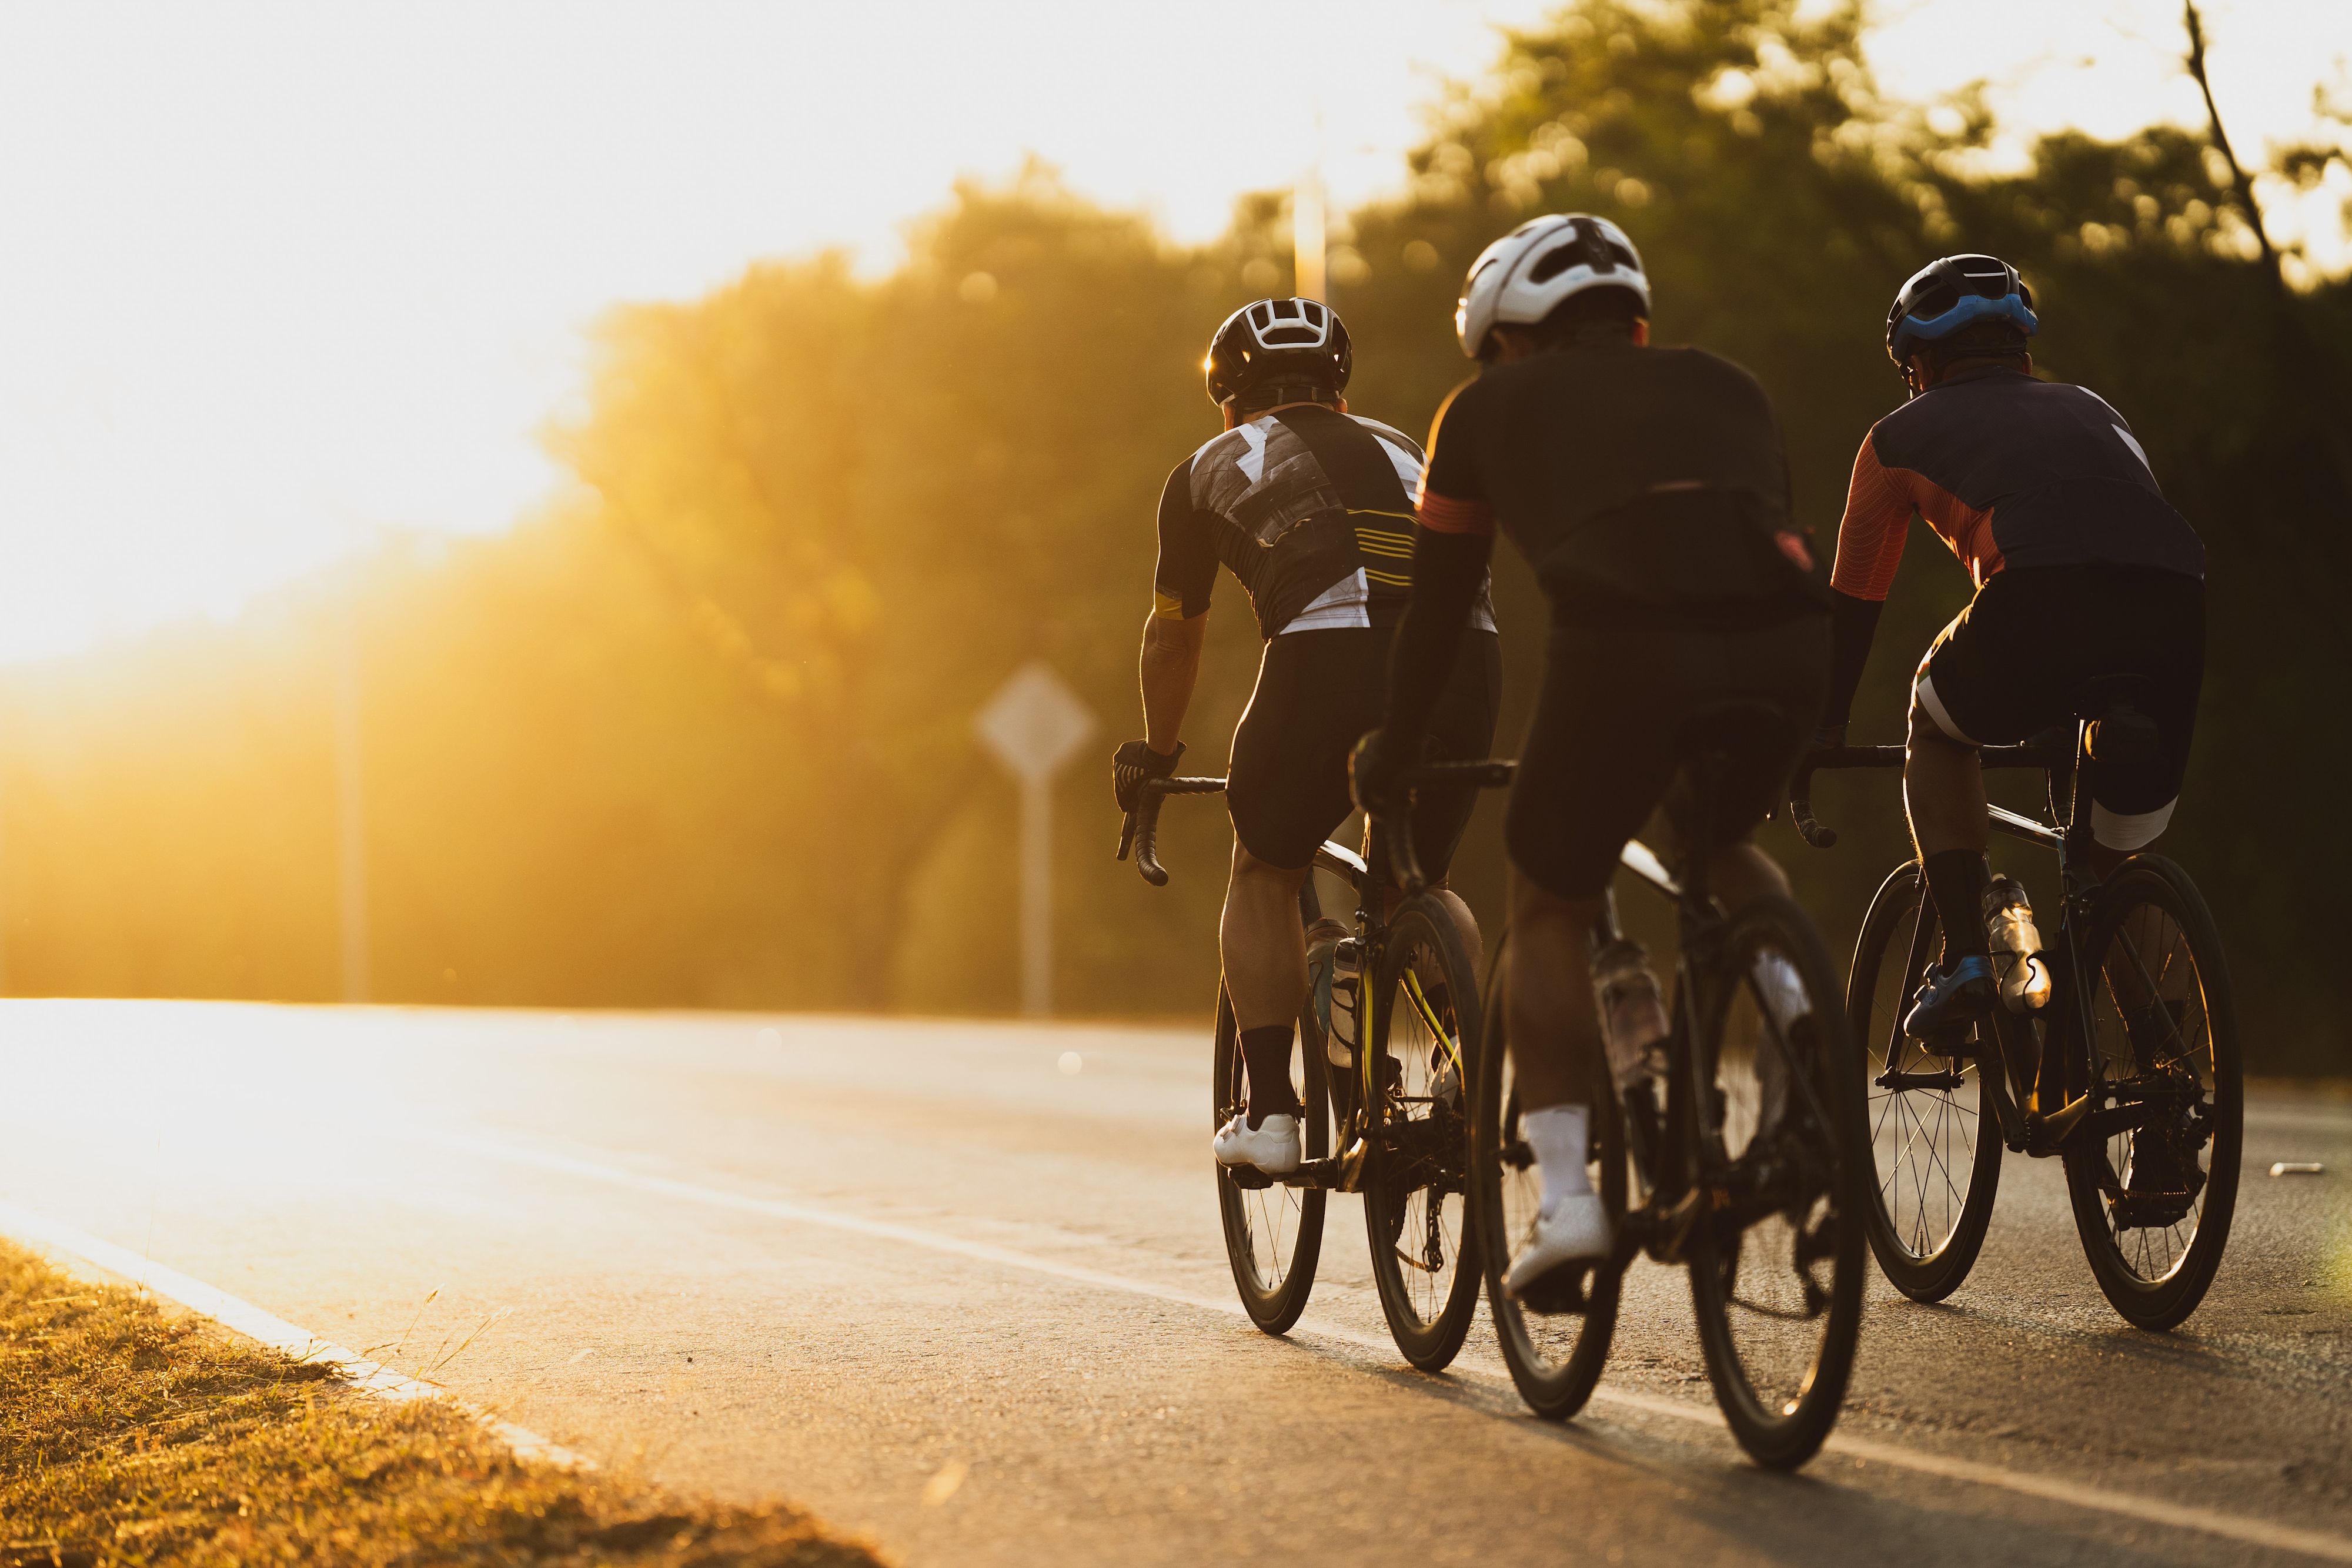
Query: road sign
{"x": 1034, "y": 723}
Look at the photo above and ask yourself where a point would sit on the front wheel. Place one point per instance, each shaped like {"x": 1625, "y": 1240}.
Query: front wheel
{"x": 1425, "y": 1057}
{"x": 1274, "y": 1234}
{"x": 1771, "y": 1106}
{"x": 2153, "y": 1198}
{"x": 1935, "y": 1145}
{"x": 1555, "y": 1357}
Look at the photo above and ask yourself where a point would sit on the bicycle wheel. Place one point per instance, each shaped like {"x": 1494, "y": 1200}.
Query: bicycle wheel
{"x": 1274, "y": 1234}
{"x": 1555, "y": 1357}
{"x": 1416, "y": 1178}
{"x": 1772, "y": 1105}
{"x": 2153, "y": 1202}
{"x": 1935, "y": 1145}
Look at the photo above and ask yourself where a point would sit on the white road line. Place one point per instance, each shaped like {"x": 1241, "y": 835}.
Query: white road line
{"x": 2059, "y": 1489}
{"x": 243, "y": 1317}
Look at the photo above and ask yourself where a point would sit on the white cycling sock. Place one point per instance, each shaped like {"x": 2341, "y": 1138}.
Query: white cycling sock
{"x": 1557, "y": 1135}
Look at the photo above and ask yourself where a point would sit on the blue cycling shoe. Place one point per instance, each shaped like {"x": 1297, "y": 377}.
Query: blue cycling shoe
{"x": 1952, "y": 999}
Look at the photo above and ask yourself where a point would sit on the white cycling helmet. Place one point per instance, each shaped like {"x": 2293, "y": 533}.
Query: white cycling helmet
{"x": 1520, "y": 277}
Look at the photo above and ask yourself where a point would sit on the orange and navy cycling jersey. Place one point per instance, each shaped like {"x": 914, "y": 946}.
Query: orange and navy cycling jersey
{"x": 2012, "y": 473}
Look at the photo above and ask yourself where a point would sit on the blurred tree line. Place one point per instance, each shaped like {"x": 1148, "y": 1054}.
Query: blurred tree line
{"x": 700, "y": 734}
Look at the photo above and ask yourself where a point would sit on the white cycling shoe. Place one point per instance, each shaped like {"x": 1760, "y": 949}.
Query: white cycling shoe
{"x": 1574, "y": 1230}
{"x": 1273, "y": 1145}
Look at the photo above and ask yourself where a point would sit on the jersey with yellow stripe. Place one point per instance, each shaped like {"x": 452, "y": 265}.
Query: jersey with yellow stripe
{"x": 1311, "y": 509}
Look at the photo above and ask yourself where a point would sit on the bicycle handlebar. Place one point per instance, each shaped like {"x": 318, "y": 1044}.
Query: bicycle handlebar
{"x": 1836, "y": 757}
{"x": 1140, "y": 832}
{"x": 1488, "y": 773}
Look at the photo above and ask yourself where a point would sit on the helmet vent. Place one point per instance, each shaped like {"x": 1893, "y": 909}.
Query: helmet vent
{"x": 1555, "y": 261}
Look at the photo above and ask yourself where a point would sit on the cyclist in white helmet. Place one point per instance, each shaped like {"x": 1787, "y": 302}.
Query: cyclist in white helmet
{"x": 1648, "y": 489}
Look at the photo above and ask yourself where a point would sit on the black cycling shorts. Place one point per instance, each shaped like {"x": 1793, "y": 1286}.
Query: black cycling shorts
{"x": 1317, "y": 693}
{"x": 1624, "y": 708}
{"x": 2030, "y": 647}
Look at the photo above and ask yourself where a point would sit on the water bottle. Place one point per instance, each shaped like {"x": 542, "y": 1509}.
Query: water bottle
{"x": 1633, "y": 1017}
{"x": 2016, "y": 946}
{"x": 1347, "y": 995}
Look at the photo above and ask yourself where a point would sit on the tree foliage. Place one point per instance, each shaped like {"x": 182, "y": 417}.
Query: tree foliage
{"x": 703, "y": 732}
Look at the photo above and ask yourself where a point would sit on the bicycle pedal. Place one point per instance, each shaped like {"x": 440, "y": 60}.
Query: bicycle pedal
{"x": 1559, "y": 1293}
{"x": 1249, "y": 1179}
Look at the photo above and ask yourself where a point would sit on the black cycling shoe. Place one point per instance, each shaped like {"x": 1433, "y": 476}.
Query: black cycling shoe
{"x": 1951, "y": 997}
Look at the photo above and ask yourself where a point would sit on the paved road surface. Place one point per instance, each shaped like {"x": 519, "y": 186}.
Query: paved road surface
{"x": 849, "y": 1261}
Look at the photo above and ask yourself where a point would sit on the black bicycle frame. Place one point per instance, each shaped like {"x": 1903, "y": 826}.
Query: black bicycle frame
{"x": 1388, "y": 858}
{"x": 2057, "y": 1070}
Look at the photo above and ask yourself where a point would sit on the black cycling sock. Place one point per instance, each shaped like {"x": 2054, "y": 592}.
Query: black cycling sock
{"x": 1958, "y": 880}
{"x": 1267, "y": 1053}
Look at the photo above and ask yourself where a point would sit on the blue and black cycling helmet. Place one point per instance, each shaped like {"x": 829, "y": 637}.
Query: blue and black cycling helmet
{"x": 1957, "y": 291}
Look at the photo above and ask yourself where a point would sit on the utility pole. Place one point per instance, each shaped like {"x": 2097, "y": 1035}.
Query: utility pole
{"x": 1307, "y": 235}
{"x": 350, "y": 814}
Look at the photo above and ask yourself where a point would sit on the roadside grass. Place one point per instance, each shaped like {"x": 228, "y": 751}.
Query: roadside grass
{"x": 130, "y": 1435}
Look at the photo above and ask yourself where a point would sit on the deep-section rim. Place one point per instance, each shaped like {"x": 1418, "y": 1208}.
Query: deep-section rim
{"x": 1554, "y": 1391}
{"x": 1276, "y": 1310}
{"x": 1922, "y": 1276}
{"x": 2166, "y": 1301}
{"x": 1785, "y": 1439}
{"x": 1430, "y": 1342}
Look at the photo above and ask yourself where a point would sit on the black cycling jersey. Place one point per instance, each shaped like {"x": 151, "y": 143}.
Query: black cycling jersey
{"x": 1313, "y": 510}
{"x": 1648, "y": 489}
{"x": 2010, "y": 471}
{"x": 1631, "y": 478}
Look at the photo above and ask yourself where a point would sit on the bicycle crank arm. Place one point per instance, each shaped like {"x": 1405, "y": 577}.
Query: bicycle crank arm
{"x": 2046, "y": 1136}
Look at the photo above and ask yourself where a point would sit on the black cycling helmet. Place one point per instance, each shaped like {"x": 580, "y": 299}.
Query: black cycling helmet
{"x": 1281, "y": 343}
{"x": 1957, "y": 291}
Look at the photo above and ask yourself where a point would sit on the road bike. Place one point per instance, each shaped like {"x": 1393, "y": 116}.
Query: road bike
{"x": 1740, "y": 1153}
{"x": 1388, "y": 1123}
{"x": 2128, "y": 1073}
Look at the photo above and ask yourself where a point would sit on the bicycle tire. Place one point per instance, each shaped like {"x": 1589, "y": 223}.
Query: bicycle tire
{"x": 1272, "y": 1281}
{"x": 1417, "y": 1165}
{"x": 1817, "y": 1153}
{"x": 1925, "y": 1143}
{"x": 2149, "y": 1297}
{"x": 1555, "y": 1358}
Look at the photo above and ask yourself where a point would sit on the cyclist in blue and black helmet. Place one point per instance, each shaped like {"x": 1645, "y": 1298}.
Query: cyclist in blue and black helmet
{"x": 1957, "y": 301}
{"x": 2083, "y": 573}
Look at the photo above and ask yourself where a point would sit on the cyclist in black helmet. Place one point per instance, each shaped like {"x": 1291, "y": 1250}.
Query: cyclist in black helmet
{"x": 2083, "y": 573}
{"x": 1311, "y": 507}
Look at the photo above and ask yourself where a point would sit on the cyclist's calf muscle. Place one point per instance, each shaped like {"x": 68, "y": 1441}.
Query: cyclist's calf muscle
{"x": 1265, "y": 946}
{"x": 1943, "y": 788}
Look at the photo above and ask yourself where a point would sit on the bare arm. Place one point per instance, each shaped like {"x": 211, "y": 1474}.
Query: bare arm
{"x": 1169, "y": 665}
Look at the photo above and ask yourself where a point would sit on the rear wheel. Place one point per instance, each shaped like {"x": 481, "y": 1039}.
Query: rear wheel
{"x": 2155, "y": 1193}
{"x": 1935, "y": 1147}
{"x": 1274, "y": 1234}
{"x": 1416, "y": 1178}
{"x": 1773, "y": 1106}
{"x": 1555, "y": 1357}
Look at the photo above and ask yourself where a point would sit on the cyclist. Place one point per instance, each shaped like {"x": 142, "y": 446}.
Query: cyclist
{"x": 1311, "y": 507}
{"x": 2084, "y": 573}
{"x": 1649, "y": 490}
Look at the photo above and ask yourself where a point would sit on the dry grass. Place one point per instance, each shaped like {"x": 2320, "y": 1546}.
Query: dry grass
{"x": 130, "y": 1436}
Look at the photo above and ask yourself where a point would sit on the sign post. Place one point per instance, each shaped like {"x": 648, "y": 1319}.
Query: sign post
{"x": 1033, "y": 724}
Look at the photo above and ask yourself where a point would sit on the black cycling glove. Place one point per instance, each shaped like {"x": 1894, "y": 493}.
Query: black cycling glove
{"x": 1378, "y": 761}
{"x": 1131, "y": 764}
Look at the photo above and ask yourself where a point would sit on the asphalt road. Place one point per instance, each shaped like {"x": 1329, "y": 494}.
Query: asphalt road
{"x": 924, "y": 1279}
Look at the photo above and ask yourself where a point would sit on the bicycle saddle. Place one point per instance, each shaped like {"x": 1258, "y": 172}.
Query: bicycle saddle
{"x": 2115, "y": 706}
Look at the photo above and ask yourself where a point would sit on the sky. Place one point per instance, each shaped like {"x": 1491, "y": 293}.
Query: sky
{"x": 277, "y": 278}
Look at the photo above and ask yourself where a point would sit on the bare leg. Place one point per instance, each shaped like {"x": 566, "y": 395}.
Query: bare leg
{"x": 1262, "y": 944}
{"x": 1943, "y": 789}
{"x": 1554, "y": 1032}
